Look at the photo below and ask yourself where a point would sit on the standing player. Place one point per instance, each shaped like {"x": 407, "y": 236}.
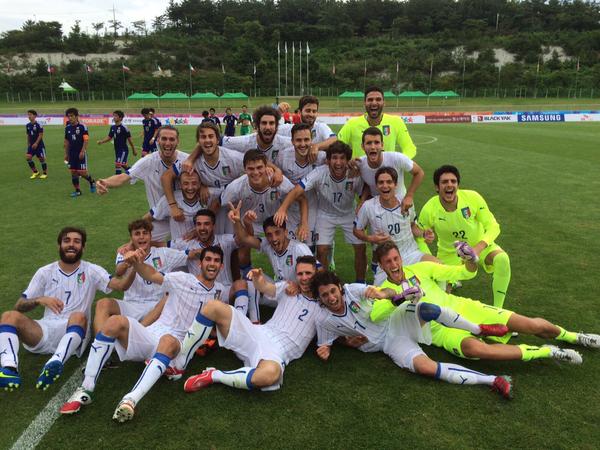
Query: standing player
{"x": 66, "y": 290}
{"x": 386, "y": 221}
{"x": 335, "y": 191}
{"x": 150, "y": 132}
{"x": 230, "y": 120}
{"x": 156, "y": 120}
{"x": 246, "y": 120}
{"x": 399, "y": 336}
{"x": 461, "y": 215}
{"x": 150, "y": 170}
{"x": 75, "y": 144}
{"x": 393, "y": 127}
{"x": 159, "y": 342}
{"x": 213, "y": 117}
{"x": 121, "y": 136}
{"x": 426, "y": 276}
{"x": 35, "y": 145}
{"x": 265, "y": 350}
{"x": 321, "y": 133}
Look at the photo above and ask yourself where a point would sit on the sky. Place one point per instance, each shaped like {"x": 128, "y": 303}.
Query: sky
{"x": 14, "y": 13}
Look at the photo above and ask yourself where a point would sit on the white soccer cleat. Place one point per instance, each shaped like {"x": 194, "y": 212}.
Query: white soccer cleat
{"x": 125, "y": 410}
{"x": 588, "y": 340}
{"x": 80, "y": 398}
{"x": 565, "y": 354}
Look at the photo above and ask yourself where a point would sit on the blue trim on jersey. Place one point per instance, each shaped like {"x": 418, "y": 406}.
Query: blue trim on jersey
{"x": 388, "y": 209}
{"x": 202, "y": 319}
{"x": 151, "y": 212}
{"x": 256, "y": 192}
{"x": 76, "y": 329}
{"x": 103, "y": 338}
{"x": 438, "y": 371}
{"x": 175, "y": 169}
{"x": 24, "y": 295}
{"x": 301, "y": 184}
{"x": 205, "y": 288}
{"x": 162, "y": 358}
{"x": 308, "y": 298}
{"x": 240, "y": 293}
{"x": 249, "y": 378}
{"x": 68, "y": 275}
{"x": 190, "y": 204}
{"x": 4, "y": 328}
{"x": 216, "y": 165}
{"x": 345, "y": 312}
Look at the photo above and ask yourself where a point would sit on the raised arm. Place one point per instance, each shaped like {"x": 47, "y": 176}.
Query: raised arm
{"x": 417, "y": 179}
{"x": 292, "y": 196}
{"x": 104, "y": 184}
{"x": 124, "y": 282}
{"x": 241, "y": 235}
{"x": 261, "y": 284}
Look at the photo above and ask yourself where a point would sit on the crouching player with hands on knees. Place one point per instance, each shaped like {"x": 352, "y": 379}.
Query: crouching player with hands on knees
{"x": 161, "y": 341}
{"x": 351, "y": 308}
{"x": 66, "y": 289}
{"x": 426, "y": 276}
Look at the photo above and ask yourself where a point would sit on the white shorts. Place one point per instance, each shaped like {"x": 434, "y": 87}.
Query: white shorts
{"x": 251, "y": 344}
{"x": 142, "y": 341}
{"x": 52, "y": 332}
{"x": 407, "y": 259}
{"x": 161, "y": 230}
{"x": 326, "y": 225}
{"x": 135, "y": 310}
{"x": 404, "y": 335}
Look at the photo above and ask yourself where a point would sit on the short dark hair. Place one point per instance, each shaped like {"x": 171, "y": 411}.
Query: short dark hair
{"x": 204, "y": 113}
{"x": 211, "y": 125}
{"x": 307, "y": 259}
{"x": 74, "y": 111}
{"x": 373, "y": 89}
{"x": 323, "y": 278}
{"x": 212, "y": 249}
{"x": 145, "y": 111}
{"x": 307, "y": 100}
{"x": 447, "y": 168}
{"x": 167, "y": 127}
{"x": 339, "y": 148}
{"x": 270, "y": 222}
{"x": 151, "y": 110}
{"x": 32, "y": 111}
{"x": 207, "y": 213}
{"x": 140, "y": 224}
{"x": 384, "y": 249}
{"x": 390, "y": 171}
{"x": 300, "y": 127}
{"x": 254, "y": 155}
{"x": 244, "y": 106}
{"x": 67, "y": 230}
{"x": 372, "y": 131}
{"x": 265, "y": 110}
{"x": 119, "y": 113}
{"x": 212, "y": 109}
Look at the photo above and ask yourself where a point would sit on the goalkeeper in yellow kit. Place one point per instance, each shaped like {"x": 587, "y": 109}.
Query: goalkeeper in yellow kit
{"x": 461, "y": 215}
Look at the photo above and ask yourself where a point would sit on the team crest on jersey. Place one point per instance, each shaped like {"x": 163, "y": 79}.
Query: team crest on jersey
{"x": 274, "y": 195}
{"x": 76, "y": 130}
{"x": 354, "y": 307}
{"x": 157, "y": 263}
{"x": 386, "y": 130}
{"x": 226, "y": 170}
{"x": 466, "y": 212}
{"x": 274, "y": 155}
{"x": 349, "y": 185}
{"x": 81, "y": 278}
{"x": 289, "y": 260}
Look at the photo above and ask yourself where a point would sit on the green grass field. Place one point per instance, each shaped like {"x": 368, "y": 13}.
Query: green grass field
{"x": 541, "y": 182}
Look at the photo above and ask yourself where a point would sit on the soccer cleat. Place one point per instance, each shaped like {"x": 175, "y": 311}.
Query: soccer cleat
{"x": 43, "y": 176}
{"x": 565, "y": 354}
{"x": 125, "y": 410}
{"x": 93, "y": 188}
{"x": 207, "y": 347}
{"x": 503, "y": 385}
{"x": 173, "y": 373}
{"x": 197, "y": 382}
{"x": 9, "y": 379}
{"x": 50, "y": 373}
{"x": 80, "y": 398}
{"x": 588, "y": 340}
{"x": 76, "y": 194}
{"x": 495, "y": 329}
{"x": 34, "y": 175}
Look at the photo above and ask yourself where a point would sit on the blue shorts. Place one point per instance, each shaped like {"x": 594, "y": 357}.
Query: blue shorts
{"x": 121, "y": 156}
{"x": 149, "y": 148}
{"x": 75, "y": 163}
{"x": 40, "y": 152}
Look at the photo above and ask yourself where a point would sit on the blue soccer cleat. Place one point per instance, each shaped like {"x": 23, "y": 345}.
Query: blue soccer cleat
{"x": 9, "y": 379}
{"x": 50, "y": 373}
{"x": 93, "y": 188}
{"x": 75, "y": 194}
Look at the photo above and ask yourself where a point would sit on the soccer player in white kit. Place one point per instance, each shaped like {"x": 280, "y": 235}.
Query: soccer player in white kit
{"x": 159, "y": 342}
{"x": 265, "y": 350}
{"x": 66, "y": 289}
{"x": 149, "y": 169}
{"x": 386, "y": 221}
{"x": 398, "y": 337}
{"x": 336, "y": 192}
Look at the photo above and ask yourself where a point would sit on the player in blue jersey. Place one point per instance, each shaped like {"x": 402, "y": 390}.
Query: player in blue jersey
{"x": 157, "y": 122}
{"x": 76, "y": 142}
{"x": 121, "y": 136}
{"x": 230, "y": 121}
{"x": 35, "y": 145}
{"x": 150, "y": 130}
{"x": 215, "y": 119}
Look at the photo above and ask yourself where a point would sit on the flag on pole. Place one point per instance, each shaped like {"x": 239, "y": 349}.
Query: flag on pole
{"x": 537, "y": 70}
{"x": 254, "y": 68}
{"x": 159, "y": 69}
{"x": 285, "y": 44}
{"x": 278, "y": 49}
{"x": 307, "y": 48}
{"x": 333, "y": 69}
{"x": 222, "y": 67}
{"x": 88, "y": 68}
{"x": 125, "y": 68}
{"x": 578, "y": 64}
{"x": 365, "y": 72}
{"x": 192, "y": 68}
{"x": 51, "y": 68}
{"x": 293, "y": 48}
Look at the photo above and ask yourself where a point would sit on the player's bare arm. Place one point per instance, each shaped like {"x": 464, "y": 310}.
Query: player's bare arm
{"x": 261, "y": 284}
{"x": 104, "y": 184}
{"x": 241, "y": 235}
{"x": 24, "y": 305}
{"x": 167, "y": 180}
{"x": 281, "y": 214}
{"x": 154, "y": 314}
{"x": 148, "y": 273}
{"x": 103, "y": 140}
{"x": 323, "y": 352}
{"x": 376, "y": 238}
{"x": 188, "y": 164}
{"x": 133, "y": 150}
{"x": 124, "y": 282}
{"x": 322, "y": 146}
{"x": 417, "y": 179}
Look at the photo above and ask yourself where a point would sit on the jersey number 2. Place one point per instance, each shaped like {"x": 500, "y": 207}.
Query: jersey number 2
{"x": 304, "y": 313}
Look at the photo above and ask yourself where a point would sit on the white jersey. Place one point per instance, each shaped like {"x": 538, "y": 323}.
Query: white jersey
{"x": 162, "y": 211}
{"x": 229, "y": 167}
{"x": 226, "y": 242}
{"x": 394, "y": 160}
{"x": 149, "y": 169}
{"x": 336, "y": 197}
{"x": 320, "y": 131}
{"x": 284, "y": 264}
{"x": 249, "y": 142}
{"x": 76, "y": 289}
{"x": 164, "y": 260}
{"x": 353, "y": 321}
{"x": 264, "y": 203}
{"x": 292, "y": 325}
{"x": 286, "y": 161}
{"x": 186, "y": 297}
{"x": 380, "y": 219}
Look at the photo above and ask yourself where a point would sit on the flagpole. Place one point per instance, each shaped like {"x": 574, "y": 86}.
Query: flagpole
{"x": 51, "y": 89}
{"x": 293, "y": 72}
{"x": 124, "y": 88}
{"x": 397, "y": 82}
{"x": 365, "y": 77}
{"x": 463, "y": 77}
{"x": 300, "y": 70}
{"x": 191, "y": 88}
{"x": 254, "y": 76}
{"x": 278, "y": 69}
{"x": 307, "y": 66}
{"x": 430, "y": 74}
{"x": 576, "y": 77}
{"x": 537, "y": 73}
{"x": 87, "y": 79}
{"x": 286, "y": 80}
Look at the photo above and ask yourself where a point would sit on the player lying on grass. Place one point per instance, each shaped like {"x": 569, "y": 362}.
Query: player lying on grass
{"x": 121, "y": 136}
{"x": 265, "y": 350}
{"x": 460, "y": 215}
{"x": 75, "y": 145}
{"x": 425, "y": 275}
{"x": 400, "y": 334}
{"x": 384, "y": 216}
{"x": 66, "y": 289}
{"x": 160, "y": 341}
{"x": 35, "y": 145}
